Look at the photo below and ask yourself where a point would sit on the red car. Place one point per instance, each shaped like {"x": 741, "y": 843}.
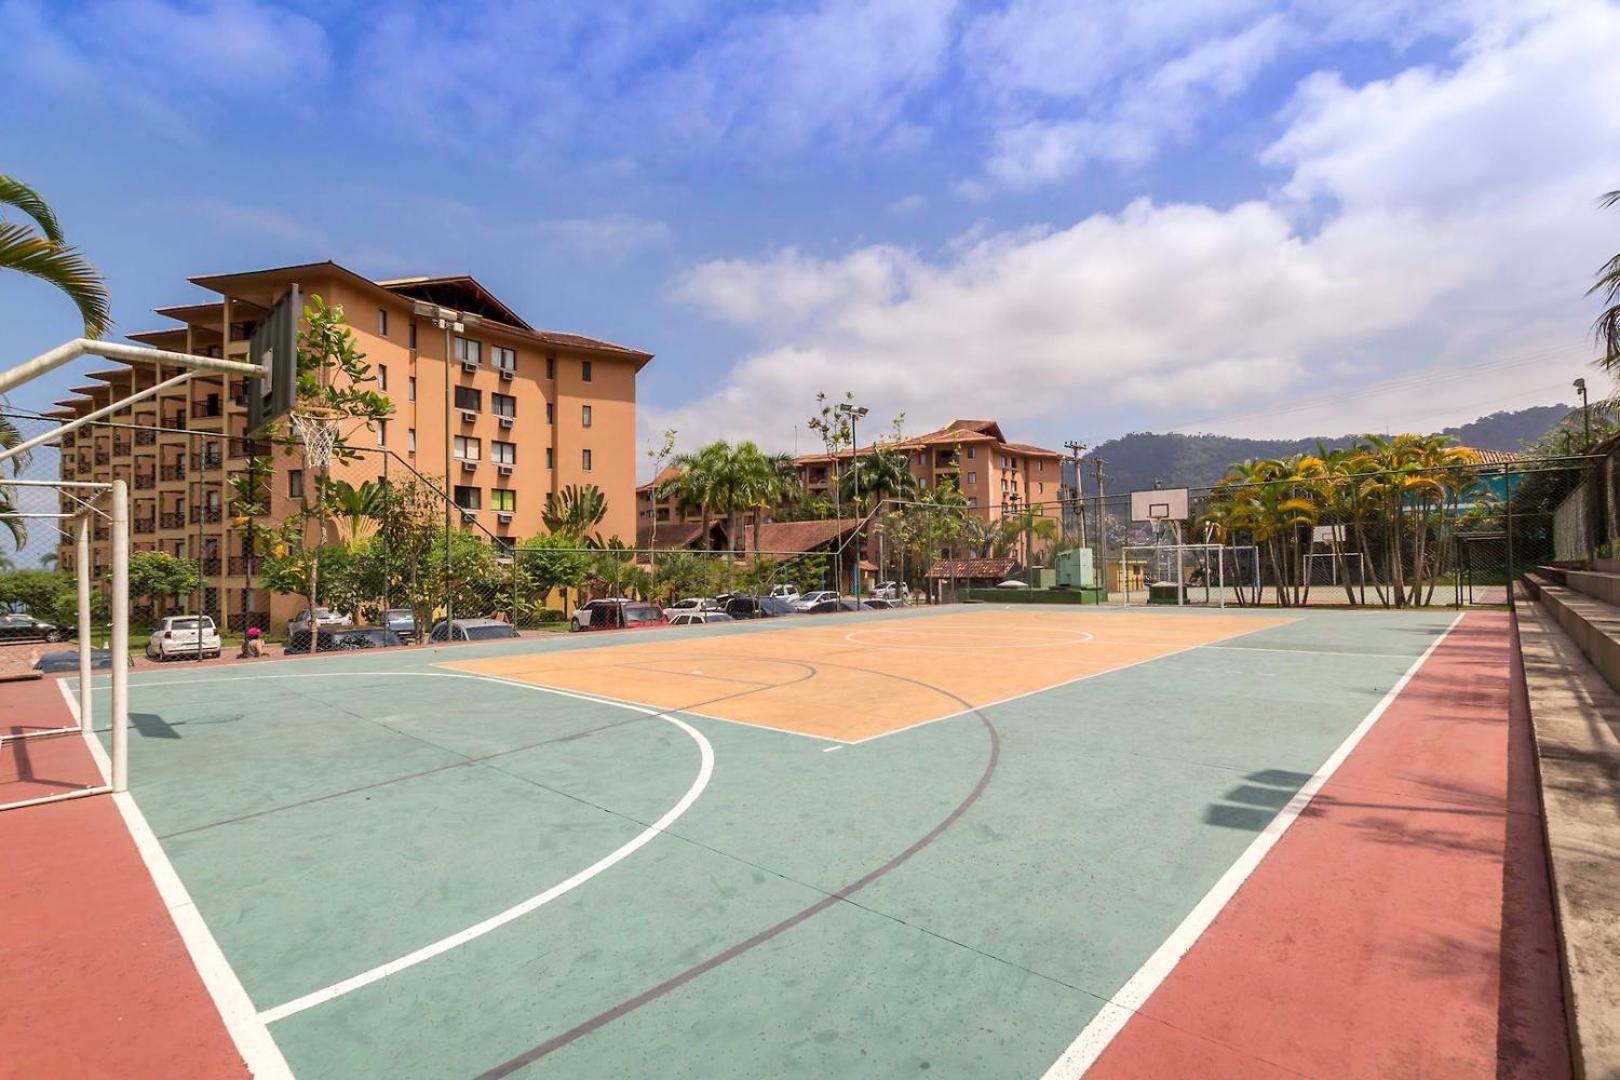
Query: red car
{"x": 617, "y": 615}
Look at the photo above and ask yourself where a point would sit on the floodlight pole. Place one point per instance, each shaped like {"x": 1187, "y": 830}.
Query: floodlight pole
{"x": 1586, "y": 417}
{"x": 450, "y": 322}
{"x": 854, "y": 413}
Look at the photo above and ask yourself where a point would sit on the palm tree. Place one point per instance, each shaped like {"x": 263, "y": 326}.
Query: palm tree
{"x": 39, "y": 251}
{"x": 1607, "y": 287}
{"x": 360, "y": 507}
{"x": 879, "y": 475}
{"x": 576, "y": 511}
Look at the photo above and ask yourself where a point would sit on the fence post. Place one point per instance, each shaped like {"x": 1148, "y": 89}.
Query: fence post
{"x": 1510, "y": 541}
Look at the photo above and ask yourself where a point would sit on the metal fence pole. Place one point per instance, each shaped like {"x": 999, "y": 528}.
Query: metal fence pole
{"x": 81, "y": 568}
{"x": 120, "y": 636}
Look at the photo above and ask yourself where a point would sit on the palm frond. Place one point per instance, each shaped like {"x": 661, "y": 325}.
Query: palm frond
{"x": 25, "y": 251}
{"x": 14, "y": 192}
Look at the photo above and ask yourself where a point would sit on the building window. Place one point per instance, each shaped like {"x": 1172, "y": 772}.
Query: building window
{"x": 410, "y": 440}
{"x": 503, "y": 404}
{"x": 584, "y": 416}
{"x": 503, "y": 453}
{"x": 411, "y": 388}
{"x": 585, "y": 460}
{"x": 468, "y": 449}
{"x": 468, "y": 351}
{"x": 973, "y": 478}
{"x": 411, "y": 336}
{"x": 1040, "y": 466}
{"x": 970, "y": 453}
{"x": 502, "y": 358}
{"x": 469, "y": 398}
{"x": 551, "y": 456}
{"x": 503, "y": 501}
{"x": 551, "y": 413}
{"x": 469, "y": 498}
{"x": 382, "y": 376}
{"x": 551, "y": 367}
{"x": 295, "y": 483}
{"x": 584, "y": 371}
{"x": 382, "y": 322}
{"x": 382, "y": 433}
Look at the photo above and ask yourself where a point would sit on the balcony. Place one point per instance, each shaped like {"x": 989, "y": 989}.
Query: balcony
{"x": 121, "y": 449}
{"x": 242, "y": 564}
{"x": 100, "y": 531}
{"x": 200, "y": 514}
{"x": 206, "y": 410}
{"x": 177, "y": 471}
{"x": 210, "y": 565}
{"x": 145, "y": 481}
{"x": 144, "y": 524}
{"x": 67, "y": 441}
{"x": 175, "y": 420}
{"x": 103, "y": 457}
{"x": 145, "y": 438}
{"x": 172, "y": 519}
{"x": 207, "y": 461}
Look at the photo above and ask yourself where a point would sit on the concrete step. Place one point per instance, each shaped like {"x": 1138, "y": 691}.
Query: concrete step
{"x": 1598, "y": 584}
{"x": 1593, "y": 624}
{"x": 1576, "y": 719}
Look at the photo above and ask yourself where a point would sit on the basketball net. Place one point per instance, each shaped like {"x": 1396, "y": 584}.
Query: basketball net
{"x": 317, "y": 429}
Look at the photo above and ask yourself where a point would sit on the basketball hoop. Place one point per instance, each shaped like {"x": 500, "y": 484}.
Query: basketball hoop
{"x": 317, "y": 428}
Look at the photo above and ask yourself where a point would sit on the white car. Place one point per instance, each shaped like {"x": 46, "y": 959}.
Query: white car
{"x": 889, "y": 590}
{"x": 790, "y": 593}
{"x": 325, "y": 619}
{"x": 811, "y": 599}
{"x": 699, "y": 618}
{"x": 691, "y": 604}
{"x": 177, "y": 636}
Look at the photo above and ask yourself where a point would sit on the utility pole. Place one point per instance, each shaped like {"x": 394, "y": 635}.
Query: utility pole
{"x": 1102, "y": 531}
{"x": 1586, "y": 416}
{"x": 1076, "y": 449}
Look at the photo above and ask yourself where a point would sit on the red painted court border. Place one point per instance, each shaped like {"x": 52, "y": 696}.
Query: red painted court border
{"x": 97, "y": 978}
{"x": 1403, "y": 926}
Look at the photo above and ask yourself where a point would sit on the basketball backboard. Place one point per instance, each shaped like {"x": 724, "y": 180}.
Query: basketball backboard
{"x": 273, "y": 349}
{"x": 1160, "y": 504}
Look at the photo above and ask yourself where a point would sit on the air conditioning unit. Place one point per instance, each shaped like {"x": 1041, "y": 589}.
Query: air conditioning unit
{"x": 507, "y": 374}
{"x": 504, "y": 470}
{"x": 468, "y": 416}
{"x": 508, "y": 421}
{"x": 469, "y": 516}
{"x": 469, "y": 466}
{"x": 469, "y": 365}
{"x": 504, "y": 518}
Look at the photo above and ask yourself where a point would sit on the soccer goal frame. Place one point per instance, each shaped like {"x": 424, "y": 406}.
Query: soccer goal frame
{"x": 82, "y": 503}
{"x": 1206, "y": 573}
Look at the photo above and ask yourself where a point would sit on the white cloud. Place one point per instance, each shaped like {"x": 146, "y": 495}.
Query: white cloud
{"x": 1459, "y": 228}
{"x": 610, "y": 237}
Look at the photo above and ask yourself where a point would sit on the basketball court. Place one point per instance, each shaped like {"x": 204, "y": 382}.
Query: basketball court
{"x": 984, "y": 841}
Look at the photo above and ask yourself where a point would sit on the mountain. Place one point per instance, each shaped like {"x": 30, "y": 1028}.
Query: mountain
{"x": 1133, "y": 462}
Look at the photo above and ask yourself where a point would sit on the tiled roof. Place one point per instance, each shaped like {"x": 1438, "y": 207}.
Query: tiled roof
{"x": 1496, "y": 457}
{"x": 774, "y": 536}
{"x": 972, "y": 568}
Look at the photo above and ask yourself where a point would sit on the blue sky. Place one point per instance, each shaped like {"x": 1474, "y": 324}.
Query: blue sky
{"x": 1082, "y": 219}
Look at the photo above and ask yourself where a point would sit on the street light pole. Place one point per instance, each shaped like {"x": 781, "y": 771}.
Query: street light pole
{"x": 853, "y": 413}
{"x": 1586, "y": 416}
{"x": 451, "y": 322}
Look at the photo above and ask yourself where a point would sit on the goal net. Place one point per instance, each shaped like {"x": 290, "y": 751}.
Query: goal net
{"x": 1207, "y": 575}
{"x": 1334, "y": 568}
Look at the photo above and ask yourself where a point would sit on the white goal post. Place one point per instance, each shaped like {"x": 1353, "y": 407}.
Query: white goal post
{"x": 1208, "y": 575}
{"x": 1334, "y": 568}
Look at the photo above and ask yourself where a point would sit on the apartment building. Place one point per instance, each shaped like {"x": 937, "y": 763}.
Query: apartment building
{"x": 996, "y": 476}
{"x": 524, "y": 412}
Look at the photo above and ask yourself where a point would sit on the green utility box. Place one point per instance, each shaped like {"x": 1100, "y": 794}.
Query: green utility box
{"x": 1074, "y": 569}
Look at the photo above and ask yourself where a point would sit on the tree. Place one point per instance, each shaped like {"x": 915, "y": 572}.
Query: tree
{"x": 1607, "y": 289}
{"x": 157, "y": 574}
{"x": 249, "y": 502}
{"x": 576, "y": 512}
{"x": 38, "y": 250}
{"x": 359, "y": 508}
{"x": 334, "y": 383}
{"x": 878, "y": 475}
{"x": 545, "y": 563}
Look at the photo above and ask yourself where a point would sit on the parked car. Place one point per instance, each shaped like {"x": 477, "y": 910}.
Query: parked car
{"x": 402, "y": 621}
{"x": 24, "y": 627}
{"x": 325, "y": 618}
{"x": 743, "y": 606}
{"x": 692, "y": 603}
{"x": 178, "y": 636}
{"x": 889, "y": 590}
{"x": 878, "y": 603}
{"x": 344, "y": 639}
{"x": 472, "y": 630}
{"x": 699, "y": 618}
{"x": 790, "y": 593}
{"x": 53, "y": 663}
{"x": 616, "y": 614}
{"x": 809, "y": 600}
{"x": 823, "y": 607}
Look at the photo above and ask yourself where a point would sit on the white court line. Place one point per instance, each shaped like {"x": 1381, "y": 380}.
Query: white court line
{"x": 987, "y": 640}
{"x": 252, "y": 1038}
{"x": 1117, "y": 1010}
{"x": 443, "y": 945}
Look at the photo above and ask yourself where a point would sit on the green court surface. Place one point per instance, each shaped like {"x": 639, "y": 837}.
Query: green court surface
{"x": 958, "y": 898}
